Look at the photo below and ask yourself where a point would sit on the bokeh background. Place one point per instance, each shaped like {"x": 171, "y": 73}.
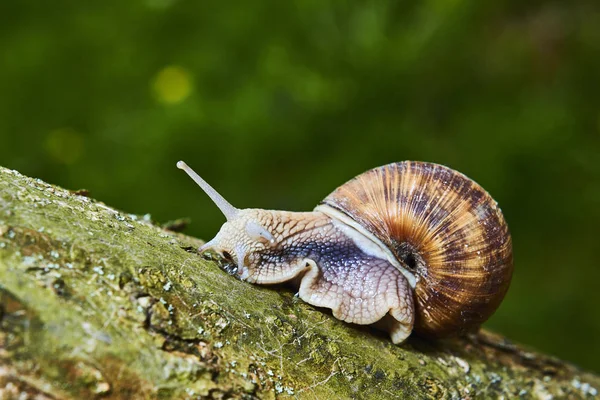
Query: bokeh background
{"x": 278, "y": 102}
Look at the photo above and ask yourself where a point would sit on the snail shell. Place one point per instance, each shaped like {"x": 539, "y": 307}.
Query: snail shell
{"x": 445, "y": 229}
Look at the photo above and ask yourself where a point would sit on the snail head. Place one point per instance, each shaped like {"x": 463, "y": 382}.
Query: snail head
{"x": 242, "y": 235}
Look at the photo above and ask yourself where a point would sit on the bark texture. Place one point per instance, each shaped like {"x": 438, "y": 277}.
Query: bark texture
{"x": 96, "y": 303}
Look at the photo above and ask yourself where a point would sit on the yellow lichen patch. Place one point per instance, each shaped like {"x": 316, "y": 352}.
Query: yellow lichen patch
{"x": 172, "y": 85}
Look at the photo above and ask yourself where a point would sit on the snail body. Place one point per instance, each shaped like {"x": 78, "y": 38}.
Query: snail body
{"x": 407, "y": 246}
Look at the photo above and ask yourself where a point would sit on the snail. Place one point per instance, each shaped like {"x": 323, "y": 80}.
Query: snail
{"x": 405, "y": 246}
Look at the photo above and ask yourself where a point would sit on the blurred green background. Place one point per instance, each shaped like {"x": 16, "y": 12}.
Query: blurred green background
{"x": 278, "y": 102}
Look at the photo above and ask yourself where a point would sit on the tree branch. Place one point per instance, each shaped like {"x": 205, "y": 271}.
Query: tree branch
{"x": 98, "y": 303}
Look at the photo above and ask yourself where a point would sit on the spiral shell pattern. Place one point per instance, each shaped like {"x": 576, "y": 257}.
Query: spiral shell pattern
{"x": 442, "y": 227}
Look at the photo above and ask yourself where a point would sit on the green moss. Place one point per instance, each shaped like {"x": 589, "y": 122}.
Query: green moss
{"x": 104, "y": 303}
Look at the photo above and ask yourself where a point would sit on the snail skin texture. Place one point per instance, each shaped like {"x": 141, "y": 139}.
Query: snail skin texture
{"x": 406, "y": 246}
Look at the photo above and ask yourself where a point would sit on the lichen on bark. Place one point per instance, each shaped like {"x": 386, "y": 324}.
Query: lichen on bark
{"x": 97, "y": 303}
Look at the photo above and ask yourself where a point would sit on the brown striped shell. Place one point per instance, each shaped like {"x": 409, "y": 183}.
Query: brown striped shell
{"x": 445, "y": 229}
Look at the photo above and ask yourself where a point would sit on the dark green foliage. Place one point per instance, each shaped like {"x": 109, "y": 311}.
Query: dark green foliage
{"x": 276, "y": 103}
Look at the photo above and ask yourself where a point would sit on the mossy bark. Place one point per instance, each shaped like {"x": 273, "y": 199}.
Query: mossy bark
{"x": 96, "y": 303}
